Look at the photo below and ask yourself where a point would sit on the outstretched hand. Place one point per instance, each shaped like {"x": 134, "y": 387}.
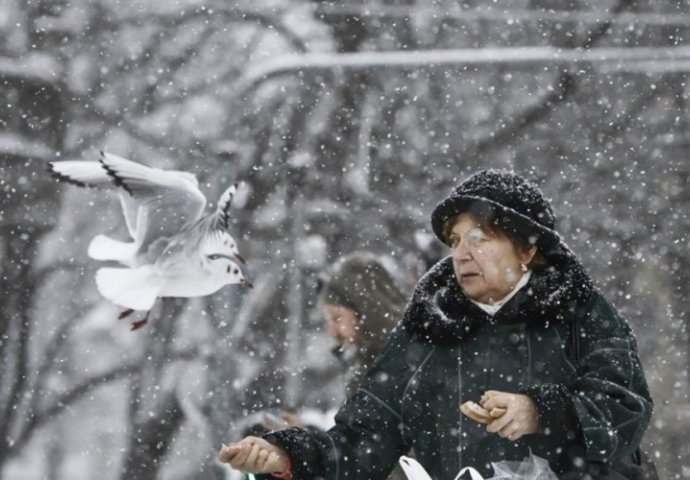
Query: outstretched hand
{"x": 254, "y": 455}
{"x": 521, "y": 417}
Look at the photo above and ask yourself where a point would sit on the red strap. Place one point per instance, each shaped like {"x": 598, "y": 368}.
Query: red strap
{"x": 287, "y": 473}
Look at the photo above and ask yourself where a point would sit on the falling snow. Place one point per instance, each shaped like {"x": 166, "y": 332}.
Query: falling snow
{"x": 346, "y": 122}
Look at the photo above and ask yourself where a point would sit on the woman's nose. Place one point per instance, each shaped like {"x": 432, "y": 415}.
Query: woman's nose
{"x": 461, "y": 252}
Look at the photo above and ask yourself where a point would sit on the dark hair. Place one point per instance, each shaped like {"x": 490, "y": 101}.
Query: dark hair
{"x": 361, "y": 282}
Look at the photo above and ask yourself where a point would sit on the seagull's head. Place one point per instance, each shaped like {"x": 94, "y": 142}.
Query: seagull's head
{"x": 220, "y": 241}
{"x": 224, "y": 268}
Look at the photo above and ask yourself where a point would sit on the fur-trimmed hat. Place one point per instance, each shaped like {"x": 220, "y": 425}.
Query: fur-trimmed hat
{"x": 504, "y": 199}
{"x": 517, "y": 207}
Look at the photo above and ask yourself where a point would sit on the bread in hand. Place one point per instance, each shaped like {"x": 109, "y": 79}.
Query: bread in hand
{"x": 480, "y": 414}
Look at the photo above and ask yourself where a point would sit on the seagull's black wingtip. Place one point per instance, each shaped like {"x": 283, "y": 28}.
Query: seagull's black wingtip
{"x": 113, "y": 174}
{"x": 64, "y": 178}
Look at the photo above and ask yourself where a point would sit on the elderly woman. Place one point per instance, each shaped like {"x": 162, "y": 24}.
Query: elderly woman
{"x": 510, "y": 319}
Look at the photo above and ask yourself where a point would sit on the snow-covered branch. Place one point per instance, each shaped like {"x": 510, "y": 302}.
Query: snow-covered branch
{"x": 228, "y": 14}
{"x": 618, "y": 59}
{"x": 509, "y": 16}
{"x": 33, "y": 67}
{"x": 15, "y": 145}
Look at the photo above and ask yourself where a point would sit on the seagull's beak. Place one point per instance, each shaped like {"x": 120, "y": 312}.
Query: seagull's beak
{"x": 240, "y": 259}
{"x": 246, "y": 283}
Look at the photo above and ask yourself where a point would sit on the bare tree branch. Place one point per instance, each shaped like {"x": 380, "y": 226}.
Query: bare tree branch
{"x": 77, "y": 393}
{"x": 227, "y": 15}
{"x": 564, "y": 87}
{"x": 19, "y": 306}
{"x": 154, "y": 438}
{"x": 507, "y": 132}
{"x": 42, "y": 274}
{"x": 515, "y": 16}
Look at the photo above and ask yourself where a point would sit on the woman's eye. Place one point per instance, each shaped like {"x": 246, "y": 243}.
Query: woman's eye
{"x": 475, "y": 237}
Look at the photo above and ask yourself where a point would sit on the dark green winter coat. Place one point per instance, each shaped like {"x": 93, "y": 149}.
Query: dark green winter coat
{"x": 447, "y": 351}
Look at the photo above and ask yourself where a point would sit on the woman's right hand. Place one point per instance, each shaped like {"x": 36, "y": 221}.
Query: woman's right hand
{"x": 521, "y": 416}
{"x": 254, "y": 455}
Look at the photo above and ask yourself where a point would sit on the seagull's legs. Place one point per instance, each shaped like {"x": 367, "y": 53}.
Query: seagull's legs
{"x": 137, "y": 324}
{"x": 140, "y": 323}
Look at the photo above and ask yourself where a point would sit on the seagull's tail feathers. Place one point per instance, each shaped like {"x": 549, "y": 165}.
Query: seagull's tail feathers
{"x": 105, "y": 248}
{"x": 135, "y": 288}
{"x": 81, "y": 173}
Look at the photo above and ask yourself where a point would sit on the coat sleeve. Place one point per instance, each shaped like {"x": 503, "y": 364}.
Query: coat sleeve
{"x": 608, "y": 403}
{"x": 367, "y": 438}
{"x": 610, "y": 397}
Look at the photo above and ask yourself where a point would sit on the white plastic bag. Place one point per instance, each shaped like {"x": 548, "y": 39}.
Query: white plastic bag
{"x": 414, "y": 471}
{"x": 530, "y": 468}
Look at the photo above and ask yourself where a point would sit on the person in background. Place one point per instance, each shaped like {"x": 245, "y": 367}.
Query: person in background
{"x": 361, "y": 303}
{"x": 495, "y": 322}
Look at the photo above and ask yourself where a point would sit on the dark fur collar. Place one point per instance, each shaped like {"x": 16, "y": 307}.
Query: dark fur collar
{"x": 440, "y": 313}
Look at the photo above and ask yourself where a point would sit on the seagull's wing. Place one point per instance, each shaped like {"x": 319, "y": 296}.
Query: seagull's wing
{"x": 223, "y": 208}
{"x": 81, "y": 173}
{"x": 130, "y": 208}
{"x": 94, "y": 174}
{"x": 174, "y": 259}
{"x": 220, "y": 221}
{"x": 168, "y": 201}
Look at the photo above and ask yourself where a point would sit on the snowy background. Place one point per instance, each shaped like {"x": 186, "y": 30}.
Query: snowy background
{"x": 346, "y": 123}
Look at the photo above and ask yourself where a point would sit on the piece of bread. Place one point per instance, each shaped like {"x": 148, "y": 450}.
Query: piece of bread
{"x": 497, "y": 412}
{"x": 475, "y": 411}
{"x": 480, "y": 414}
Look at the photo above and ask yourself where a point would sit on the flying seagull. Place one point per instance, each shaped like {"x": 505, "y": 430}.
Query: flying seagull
{"x": 176, "y": 249}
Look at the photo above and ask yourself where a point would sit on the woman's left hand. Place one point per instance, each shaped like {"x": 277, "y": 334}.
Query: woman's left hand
{"x": 254, "y": 455}
{"x": 521, "y": 417}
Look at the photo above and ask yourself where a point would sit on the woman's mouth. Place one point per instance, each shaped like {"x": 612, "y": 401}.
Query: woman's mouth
{"x": 469, "y": 278}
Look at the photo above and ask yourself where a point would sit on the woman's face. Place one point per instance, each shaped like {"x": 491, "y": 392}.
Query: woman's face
{"x": 487, "y": 265}
{"x": 341, "y": 324}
